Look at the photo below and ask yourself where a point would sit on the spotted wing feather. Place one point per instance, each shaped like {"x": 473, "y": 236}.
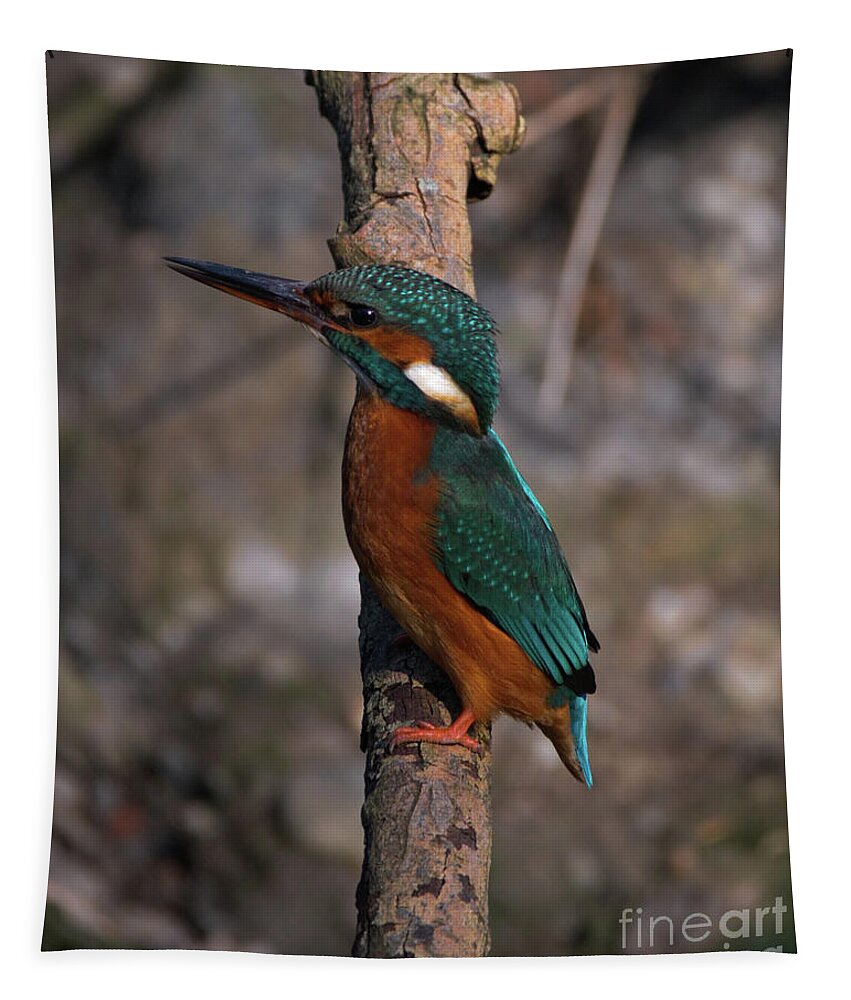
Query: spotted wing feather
{"x": 495, "y": 544}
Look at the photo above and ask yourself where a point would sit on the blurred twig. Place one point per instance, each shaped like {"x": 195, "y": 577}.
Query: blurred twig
{"x": 619, "y": 117}
{"x": 569, "y": 106}
{"x": 191, "y": 389}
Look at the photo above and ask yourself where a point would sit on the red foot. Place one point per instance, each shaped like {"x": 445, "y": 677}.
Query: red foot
{"x": 428, "y": 732}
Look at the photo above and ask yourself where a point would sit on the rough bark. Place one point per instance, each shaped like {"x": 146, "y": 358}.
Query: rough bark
{"x": 415, "y": 148}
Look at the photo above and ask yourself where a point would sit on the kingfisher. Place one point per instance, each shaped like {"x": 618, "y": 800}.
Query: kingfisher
{"x": 441, "y": 522}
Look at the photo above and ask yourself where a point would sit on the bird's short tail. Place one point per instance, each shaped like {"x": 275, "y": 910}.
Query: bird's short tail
{"x": 571, "y": 741}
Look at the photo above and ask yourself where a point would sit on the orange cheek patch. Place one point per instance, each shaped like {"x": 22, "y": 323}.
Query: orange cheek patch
{"x": 398, "y": 346}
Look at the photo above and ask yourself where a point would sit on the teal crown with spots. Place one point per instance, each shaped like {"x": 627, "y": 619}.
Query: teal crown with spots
{"x": 460, "y": 332}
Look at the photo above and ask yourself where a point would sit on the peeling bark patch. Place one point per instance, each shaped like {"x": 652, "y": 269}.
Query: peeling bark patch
{"x": 466, "y": 893}
{"x": 470, "y": 766}
{"x": 460, "y": 836}
{"x": 478, "y": 186}
{"x": 410, "y": 704}
{"x": 422, "y": 934}
{"x": 442, "y": 690}
{"x": 431, "y": 888}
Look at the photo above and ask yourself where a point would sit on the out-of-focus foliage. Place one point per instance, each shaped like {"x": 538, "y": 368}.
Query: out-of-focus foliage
{"x": 208, "y": 772}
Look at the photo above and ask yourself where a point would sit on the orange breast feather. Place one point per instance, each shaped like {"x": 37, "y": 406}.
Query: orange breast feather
{"x": 388, "y": 507}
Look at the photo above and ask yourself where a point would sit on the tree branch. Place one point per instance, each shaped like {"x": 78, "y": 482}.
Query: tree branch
{"x": 414, "y": 149}
{"x": 605, "y": 165}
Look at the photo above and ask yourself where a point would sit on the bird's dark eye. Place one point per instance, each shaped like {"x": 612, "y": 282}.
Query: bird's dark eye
{"x": 362, "y": 315}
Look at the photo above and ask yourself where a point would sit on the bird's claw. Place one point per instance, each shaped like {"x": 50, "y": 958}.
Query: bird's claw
{"x": 428, "y": 732}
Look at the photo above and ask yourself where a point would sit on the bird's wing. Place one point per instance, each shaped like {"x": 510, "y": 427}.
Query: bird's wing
{"x": 494, "y": 543}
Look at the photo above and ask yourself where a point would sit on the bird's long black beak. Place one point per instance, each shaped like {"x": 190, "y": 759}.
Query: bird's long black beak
{"x": 283, "y": 295}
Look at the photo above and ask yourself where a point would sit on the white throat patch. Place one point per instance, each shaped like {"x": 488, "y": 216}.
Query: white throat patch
{"x": 438, "y": 385}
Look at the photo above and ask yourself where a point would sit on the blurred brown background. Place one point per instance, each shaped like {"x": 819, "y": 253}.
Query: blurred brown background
{"x": 208, "y": 773}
